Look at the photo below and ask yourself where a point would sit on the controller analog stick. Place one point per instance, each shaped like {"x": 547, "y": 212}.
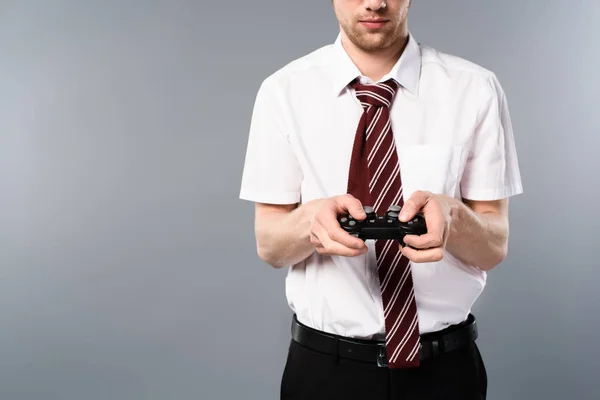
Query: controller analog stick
{"x": 394, "y": 208}
{"x": 370, "y": 212}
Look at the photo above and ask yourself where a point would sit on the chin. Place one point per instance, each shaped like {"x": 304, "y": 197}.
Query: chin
{"x": 372, "y": 42}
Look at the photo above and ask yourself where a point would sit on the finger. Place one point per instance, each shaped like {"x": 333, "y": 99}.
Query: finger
{"x": 436, "y": 229}
{"x": 337, "y": 234}
{"x": 425, "y": 241}
{"x": 351, "y": 205}
{"x": 421, "y": 256}
{"x": 328, "y": 245}
{"x": 338, "y": 240}
{"x": 411, "y": 206}
{"x": 318, "y": 233}
{"x": 334, "y": 231}
{"x": 344, "y": 238}
{"x": 315, "y": 240}
{"x": 334, "y": 248}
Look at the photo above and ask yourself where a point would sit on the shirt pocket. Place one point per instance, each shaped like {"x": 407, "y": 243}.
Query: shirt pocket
{"x": 431, "y": 167}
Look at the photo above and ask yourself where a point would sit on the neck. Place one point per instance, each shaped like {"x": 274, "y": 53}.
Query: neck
{"x": 375, "y": 64}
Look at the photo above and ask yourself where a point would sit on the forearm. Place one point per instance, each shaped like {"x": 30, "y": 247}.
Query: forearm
{"x": 284, "y": 238}
{"x": 476, "y": 238}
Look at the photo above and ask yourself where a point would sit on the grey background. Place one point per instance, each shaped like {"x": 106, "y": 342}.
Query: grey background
{"x": 127, "y": 262}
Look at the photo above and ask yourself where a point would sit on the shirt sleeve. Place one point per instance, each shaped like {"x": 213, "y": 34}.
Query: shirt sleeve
{"x": 271, "y": 172}
{"x": 492, "y": 169}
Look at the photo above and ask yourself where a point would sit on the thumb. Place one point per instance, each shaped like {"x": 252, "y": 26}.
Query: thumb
{"x": 353, "y": 206}
{"x": 411, "y": 206}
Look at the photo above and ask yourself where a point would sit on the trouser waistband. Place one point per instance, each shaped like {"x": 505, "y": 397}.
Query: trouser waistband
{"x": 432, "y": 344}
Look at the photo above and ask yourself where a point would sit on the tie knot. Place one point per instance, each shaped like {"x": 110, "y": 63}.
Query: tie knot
{"x": 376, "y": 94}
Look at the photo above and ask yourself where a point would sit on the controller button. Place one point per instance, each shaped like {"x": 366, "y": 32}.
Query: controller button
{"x": 392, "y": 214}
{"x": 372, "y": 221}
{"x": 394, "y": 208}
{"x": 352, "y": 223}
{"x": 344, "y": 219}
{"x": 390, "y": 221}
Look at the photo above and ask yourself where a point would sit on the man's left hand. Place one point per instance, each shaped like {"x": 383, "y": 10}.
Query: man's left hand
{"x": 436, "y": 210}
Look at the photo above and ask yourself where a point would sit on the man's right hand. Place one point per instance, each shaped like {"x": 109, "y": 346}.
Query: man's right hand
{"x": 326, "y": 234}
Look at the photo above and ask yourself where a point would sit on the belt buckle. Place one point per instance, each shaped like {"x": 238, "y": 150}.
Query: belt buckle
{"x": 436, "y": 347}
{"x": 382, "y": 356}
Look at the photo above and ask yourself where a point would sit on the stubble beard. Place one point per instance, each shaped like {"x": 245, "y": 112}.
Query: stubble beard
{"x": 371, "y": 42}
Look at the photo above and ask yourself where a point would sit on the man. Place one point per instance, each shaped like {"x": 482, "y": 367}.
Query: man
{"x": 377, "y": 119}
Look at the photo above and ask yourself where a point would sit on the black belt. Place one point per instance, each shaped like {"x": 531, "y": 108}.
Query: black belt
{"x": 432, "y": 344}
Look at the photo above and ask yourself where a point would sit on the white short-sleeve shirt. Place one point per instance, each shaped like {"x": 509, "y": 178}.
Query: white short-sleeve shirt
{"x": 453, "y": 135}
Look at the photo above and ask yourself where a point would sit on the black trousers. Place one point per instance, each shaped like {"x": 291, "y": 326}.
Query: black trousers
{"x": 311, "y": 375}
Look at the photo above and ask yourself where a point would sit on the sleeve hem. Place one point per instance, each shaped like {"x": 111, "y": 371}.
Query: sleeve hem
{"x": 270, "y": 197}
{"x": 491, "y": 194}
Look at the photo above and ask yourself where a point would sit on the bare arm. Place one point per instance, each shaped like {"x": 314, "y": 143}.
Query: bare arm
{"x": 479, "y": 232}
{"x": 475, "y": 232}
{"x": 287, "y": 234}
{"x": 283, "y": 232}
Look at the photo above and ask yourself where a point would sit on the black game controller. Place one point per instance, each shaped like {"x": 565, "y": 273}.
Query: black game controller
{"x": 383, "y": 227}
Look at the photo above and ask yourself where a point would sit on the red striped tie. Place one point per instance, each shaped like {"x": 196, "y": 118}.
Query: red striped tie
{"x": 375, "y": 180}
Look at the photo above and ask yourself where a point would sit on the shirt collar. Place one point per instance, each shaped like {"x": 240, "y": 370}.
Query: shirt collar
{"x": 406, "y": 71}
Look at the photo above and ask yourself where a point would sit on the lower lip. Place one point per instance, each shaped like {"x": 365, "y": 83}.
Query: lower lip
{"x": 373, "y": 25}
